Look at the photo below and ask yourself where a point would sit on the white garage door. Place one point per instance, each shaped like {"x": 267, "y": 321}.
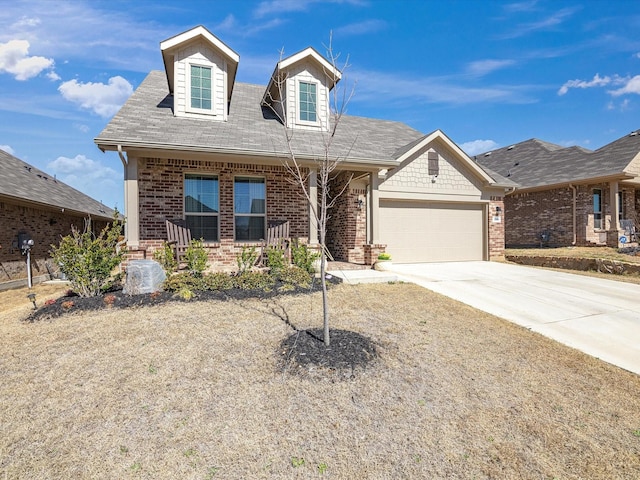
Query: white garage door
{"x": 432, "y": 232}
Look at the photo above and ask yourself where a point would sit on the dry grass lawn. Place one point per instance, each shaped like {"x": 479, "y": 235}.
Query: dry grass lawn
{"x": 192, "y": 391}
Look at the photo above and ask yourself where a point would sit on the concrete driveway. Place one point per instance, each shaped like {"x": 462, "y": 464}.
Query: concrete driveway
{"x": 597, "y": 316}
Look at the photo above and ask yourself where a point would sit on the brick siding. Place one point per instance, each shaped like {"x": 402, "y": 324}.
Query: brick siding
{"x": 347, "y": 225}
{"x": 528, "y": 215}
{"x": 496, "y": 229}
{"x": 160, "y": 184}
{"x": 46, "y": 227}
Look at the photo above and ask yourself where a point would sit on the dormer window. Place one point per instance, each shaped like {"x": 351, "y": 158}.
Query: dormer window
{"x": 200, "y": 88}
{"x": 298, "y": 92}
{"x": 195, "y": 62}
{"x": 308, "y": 101}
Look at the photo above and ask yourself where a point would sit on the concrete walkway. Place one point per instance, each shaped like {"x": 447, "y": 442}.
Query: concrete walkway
{"x": 597, "y": 316}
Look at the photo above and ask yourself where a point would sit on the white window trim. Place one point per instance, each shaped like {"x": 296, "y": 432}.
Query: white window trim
{"x": 188, "y": 107}
{"x": 310, "y": 81}
{"x": 202, "y": 214}
{"x": 261, "y": 177}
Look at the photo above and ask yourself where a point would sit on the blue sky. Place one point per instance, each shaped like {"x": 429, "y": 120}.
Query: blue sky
{"x": 487, "y": 73}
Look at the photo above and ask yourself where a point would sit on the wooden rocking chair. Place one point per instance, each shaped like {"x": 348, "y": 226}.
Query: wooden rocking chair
{"x": 178, "y": 236}
{"x": 278, "y": 236}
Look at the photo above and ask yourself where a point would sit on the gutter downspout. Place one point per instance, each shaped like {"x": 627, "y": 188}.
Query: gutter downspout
{"x": 575, "y": 228}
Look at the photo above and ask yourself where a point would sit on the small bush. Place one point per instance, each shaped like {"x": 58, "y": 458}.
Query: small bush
{"x": 88, "y": 260}
{"x": 166, "y": 258}
{"x": 196, "y": 257}
{"x": 217, "y": 281}
{"x": 275, "y": 260}
{"x": 295, "y": 276}
{"x": 384, "y": 256}
{"x": 246, "y": 259}
{"x": 176, "y": 282}
{"x": 253, "y": 281}
{"x": 303, "y": 257}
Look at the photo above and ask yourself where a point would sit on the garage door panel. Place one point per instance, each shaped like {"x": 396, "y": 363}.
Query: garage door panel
{"x": 432, "y": 232}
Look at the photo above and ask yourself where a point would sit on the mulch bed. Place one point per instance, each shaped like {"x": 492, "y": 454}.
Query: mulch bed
{"x": 72, "y": 303}
{"x": 304, "y": 351}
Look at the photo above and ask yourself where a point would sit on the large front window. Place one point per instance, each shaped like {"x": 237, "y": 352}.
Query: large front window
{"x": 597, "y": 208}
{"x": 308, "y": 102}
{"x": 249, "y": 199}
{"x": 200, "y": 87}
{"x": 201, "y": 206}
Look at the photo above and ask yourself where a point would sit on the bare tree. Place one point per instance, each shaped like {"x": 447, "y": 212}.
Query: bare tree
{"x": 325, "y": 163}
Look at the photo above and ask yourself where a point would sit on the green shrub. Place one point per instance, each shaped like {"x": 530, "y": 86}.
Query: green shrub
{"x": 246, "y": 259}
{"x": 196, "y": 257}
{"x": 384, "y": 256}
{"x": 217, "y": 281}
{"x": 88, "y": 260}
{"x": 295, "y": 276}
{"x": 166, "y": 258}
{"x": 253, "y": 280}
{"x": 275, "y": 260}
{"x": 302, "y": 256}
{"x": 178, "y": 281}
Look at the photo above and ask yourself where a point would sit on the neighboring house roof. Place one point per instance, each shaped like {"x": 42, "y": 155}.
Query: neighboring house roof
{"x": 146, "y": 121}
{"x": 24, "y": 183}
{"x": 535, "y": 164}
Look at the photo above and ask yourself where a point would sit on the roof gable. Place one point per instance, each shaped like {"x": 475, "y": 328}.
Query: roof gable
{"x": 408, "y": 152}
{"x": 169, "y": 47}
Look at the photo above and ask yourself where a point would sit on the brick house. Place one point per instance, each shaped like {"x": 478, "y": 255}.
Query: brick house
{"x": 569, "y": 196}
{"x": 197, "y": 145}
{"x": 36, "y": 204}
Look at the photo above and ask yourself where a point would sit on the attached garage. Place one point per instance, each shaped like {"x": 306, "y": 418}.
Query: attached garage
{"x": 421, "y": 231}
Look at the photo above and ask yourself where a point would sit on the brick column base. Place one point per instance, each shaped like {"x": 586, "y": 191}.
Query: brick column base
{"x": 371, "y": 252}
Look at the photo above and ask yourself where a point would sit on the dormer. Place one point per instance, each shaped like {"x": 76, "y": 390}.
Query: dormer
{"x": 299, "y": 89}
{"x": 201, "y": 71}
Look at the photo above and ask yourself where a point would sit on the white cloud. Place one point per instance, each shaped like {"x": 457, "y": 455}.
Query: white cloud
{"x": 8, "y": 149}
{"x": 103, "y": 99}
{"x": 597, "y": 81}
{"x": 27, "y": 22}
{"x": 475, "y": 147}
{"x": 547, "y": 23}
{"x": 448, "y": 90}
{"x": 361, "y": 28}
{"x": 82, "y": 127}
{"x": 484, "y": 67}
{"x": 637, "y": 55}
{"x": 89, "y": 176}
{"x": 631, "y": 85}
{"x": 15, "y": 59}
{"x": 282, "y": 6}
{"x": 53, "y": 76}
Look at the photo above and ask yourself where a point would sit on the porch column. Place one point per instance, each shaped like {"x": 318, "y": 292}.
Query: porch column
{"x": 313, "y": 207}
{"x": 132, "y": 210}
{"x": 374, "y": 207}
{"x": 615, "y": 206}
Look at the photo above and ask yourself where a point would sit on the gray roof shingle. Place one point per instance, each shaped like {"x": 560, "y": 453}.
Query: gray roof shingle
{"x": 147, "y": 120}
{"x": 534, "y": 163}
{"x": 24, "y": 182}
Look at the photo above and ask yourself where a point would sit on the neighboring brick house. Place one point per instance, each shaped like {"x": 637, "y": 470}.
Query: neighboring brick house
{"x": 569, "y": 196}
{"x": 200, "y": 146}
{"x": 36, "y": 204}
